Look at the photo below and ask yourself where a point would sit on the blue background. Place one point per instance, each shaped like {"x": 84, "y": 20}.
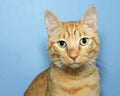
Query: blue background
{"x": 23, "y": 39}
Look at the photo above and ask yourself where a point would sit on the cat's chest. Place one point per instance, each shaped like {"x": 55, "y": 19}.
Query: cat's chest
{"x": 63, "y": 86}
{"x": 75, "y": 89}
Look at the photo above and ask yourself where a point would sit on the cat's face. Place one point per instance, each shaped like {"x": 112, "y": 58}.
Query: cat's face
{"x": 72, "y": 43}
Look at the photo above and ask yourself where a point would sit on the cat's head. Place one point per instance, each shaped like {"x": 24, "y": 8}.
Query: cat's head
{"x": 72, "y": 43}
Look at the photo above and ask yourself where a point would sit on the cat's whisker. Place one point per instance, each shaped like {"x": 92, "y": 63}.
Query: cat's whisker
{"x": 89, "y": 67}
{"x": 101, "y": 59}
{"x": 99, "y": 64}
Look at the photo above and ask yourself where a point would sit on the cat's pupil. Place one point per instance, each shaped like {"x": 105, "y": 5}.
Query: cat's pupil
{"x": 62, "y": 43}
{"x": 84, "y": 40}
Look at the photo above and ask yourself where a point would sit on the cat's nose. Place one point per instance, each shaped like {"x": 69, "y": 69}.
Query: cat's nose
{"x": 73, "y": 57}
{"x": 73, "y": 54}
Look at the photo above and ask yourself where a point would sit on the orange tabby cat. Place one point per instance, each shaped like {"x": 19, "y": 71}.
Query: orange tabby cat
{"x": 73, "y": 48}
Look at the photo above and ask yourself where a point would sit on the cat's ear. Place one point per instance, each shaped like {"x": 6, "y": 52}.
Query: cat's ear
{"x": 90, "y": 19}
{"x": 51, "y": 22}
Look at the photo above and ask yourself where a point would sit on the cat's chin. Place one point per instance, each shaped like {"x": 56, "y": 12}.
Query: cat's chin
{"x": 74, "y": 65}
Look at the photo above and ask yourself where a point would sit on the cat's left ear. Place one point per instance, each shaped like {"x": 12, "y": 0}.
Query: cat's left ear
{"x": 51, "y": 22}
{"x": 90, "y": 19}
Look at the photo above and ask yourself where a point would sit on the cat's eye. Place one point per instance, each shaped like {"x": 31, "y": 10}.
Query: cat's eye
{"x": 62, "y": 44}
{"x": 84, "y": 41}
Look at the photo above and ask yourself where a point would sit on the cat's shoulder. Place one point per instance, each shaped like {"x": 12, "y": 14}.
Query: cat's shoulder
{"x": 42, "y": 76}
{"x": 38, "y": 84}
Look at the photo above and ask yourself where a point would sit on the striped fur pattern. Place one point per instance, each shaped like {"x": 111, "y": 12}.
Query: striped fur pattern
{"x": 73, "y": 48}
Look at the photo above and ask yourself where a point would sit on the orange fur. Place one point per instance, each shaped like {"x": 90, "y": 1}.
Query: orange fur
{"x": 73, "y": 71}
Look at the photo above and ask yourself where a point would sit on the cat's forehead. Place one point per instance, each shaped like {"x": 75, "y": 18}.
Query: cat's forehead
{"x": 76, "y": 28}
{"x": 71, "y": 24}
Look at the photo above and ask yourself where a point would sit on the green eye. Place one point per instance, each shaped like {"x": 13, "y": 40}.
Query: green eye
{"x": 62, "y": 44}
{"x": 84, "y": 41}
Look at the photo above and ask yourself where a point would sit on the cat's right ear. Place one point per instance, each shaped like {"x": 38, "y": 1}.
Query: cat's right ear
{"x": 90, "y": 19}
{"x": 51, "y": 22}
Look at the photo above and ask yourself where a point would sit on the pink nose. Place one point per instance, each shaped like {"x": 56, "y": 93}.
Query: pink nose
{"x": 73, "y": 57}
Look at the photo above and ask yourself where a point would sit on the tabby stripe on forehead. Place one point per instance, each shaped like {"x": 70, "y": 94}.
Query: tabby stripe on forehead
{"x": 66, "y": 26}
{"x": 76, "y": 26}
{"x": 83, "y": 33}
{"x": 64, "y": 35}
{"x": 68, "y": 32}
{"x": 60, "y": 35}
{"x": 75, "y": 32}
{"x": 79, "y": 34}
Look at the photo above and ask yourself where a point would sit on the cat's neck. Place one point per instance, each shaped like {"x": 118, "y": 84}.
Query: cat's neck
{"x": 73, "y": 73}
{"x": 62, "y": 82}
